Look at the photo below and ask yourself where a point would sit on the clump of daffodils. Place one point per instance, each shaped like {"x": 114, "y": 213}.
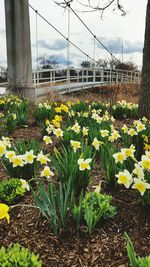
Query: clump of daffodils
{"x": 139, "y": 178}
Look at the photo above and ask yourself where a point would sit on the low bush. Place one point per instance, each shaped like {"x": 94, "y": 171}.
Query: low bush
{"x": 16, "y": 255}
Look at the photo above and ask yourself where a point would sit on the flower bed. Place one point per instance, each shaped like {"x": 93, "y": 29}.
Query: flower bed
{"x": 80, "y": 203}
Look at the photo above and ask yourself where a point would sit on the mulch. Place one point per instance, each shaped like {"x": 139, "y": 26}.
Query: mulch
{"x": 74, "y": 248}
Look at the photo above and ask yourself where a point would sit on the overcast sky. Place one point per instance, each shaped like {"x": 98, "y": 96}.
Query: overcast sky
{"x": 113, "y": 30}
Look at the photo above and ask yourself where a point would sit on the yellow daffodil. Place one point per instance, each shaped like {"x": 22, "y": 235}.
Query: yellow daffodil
{"x": 146, "y": 147}
{"x": 58, "y": 110}
{"x": 58, "y": 118}
{"x": 69, "y": 104}
{"x": 64, "y": 108}
{"x": 84, "y": 164}
{"x": 47, "y": 172}
{"x": 47, "y": 122}
{"x": 47, "y": 139}
{"x": 140, "y": 185}
{"x": 124, "y": 178}
{"x": 56, "y": 123}
{"x": 4, "y": 209}
{"x": 145, "y": 137}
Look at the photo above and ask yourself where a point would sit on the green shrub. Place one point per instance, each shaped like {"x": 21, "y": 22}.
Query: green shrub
{"x": 18, "y": 256}
{"x": 92, "y": 207}
{"x": 12, "y": 189}
{"x": 96, "y": 206}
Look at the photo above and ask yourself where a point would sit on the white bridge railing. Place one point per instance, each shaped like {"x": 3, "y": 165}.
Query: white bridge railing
{"x": 84, "y": 75}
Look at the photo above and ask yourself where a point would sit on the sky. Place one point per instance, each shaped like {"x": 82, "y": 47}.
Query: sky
{"x": 122, "y": 35}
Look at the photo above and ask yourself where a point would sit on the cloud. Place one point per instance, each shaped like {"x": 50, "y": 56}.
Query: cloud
{"x": 61, "y": 59}
{"x": 58, "y": 44}
{"x": 117, "y": 45}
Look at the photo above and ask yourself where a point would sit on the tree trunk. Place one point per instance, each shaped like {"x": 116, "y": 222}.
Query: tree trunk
{"x": 144, "y": 98}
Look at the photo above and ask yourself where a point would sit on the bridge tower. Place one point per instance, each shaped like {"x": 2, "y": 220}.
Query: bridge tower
{"x": 19, "y": 48}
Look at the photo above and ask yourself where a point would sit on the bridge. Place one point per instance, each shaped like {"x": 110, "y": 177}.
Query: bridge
{"x": 75, "y": 79}
{"x": 64, "y": 80}
{"x": 21, "y": 78}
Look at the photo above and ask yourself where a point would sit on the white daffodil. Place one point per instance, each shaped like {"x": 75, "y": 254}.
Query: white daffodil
{"x": 43, "y": 159}
{"x": 125, "y": 128}
{"x": 10, "y": 154}
{"x": 75, "y": 145}
{"x": 84, "y": 164}
{"x": 47, "y": 140}
{"x": 25, "y": 184}
{"x": 85, "y": 131}
{"x": 29, "y": 157}
{"x": 124, "y": 178}
{"x": 47, "y": 172}
{"x": 58, "y": 132}
{"x": 17, "y": 161}
{"x": 96, "y": 143}
{"x": 76, "y": 127}
{"x": 132, "y": 132}
{"x": 140, "y": 127}
{"x": 104, "y": 133}
{"x": 119, "y": 157}
{"x": 145, "y": 162}
{"x": 2, "y": 149}
{"x": 128, "y": 152}
{"x": 140, "y": 185}
{"x": 138, "y": 170}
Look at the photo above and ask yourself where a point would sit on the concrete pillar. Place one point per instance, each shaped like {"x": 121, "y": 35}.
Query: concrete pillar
{"x": 19, "y": 48}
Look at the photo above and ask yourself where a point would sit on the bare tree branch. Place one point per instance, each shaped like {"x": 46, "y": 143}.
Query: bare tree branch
{"x": 92, "y": 5}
